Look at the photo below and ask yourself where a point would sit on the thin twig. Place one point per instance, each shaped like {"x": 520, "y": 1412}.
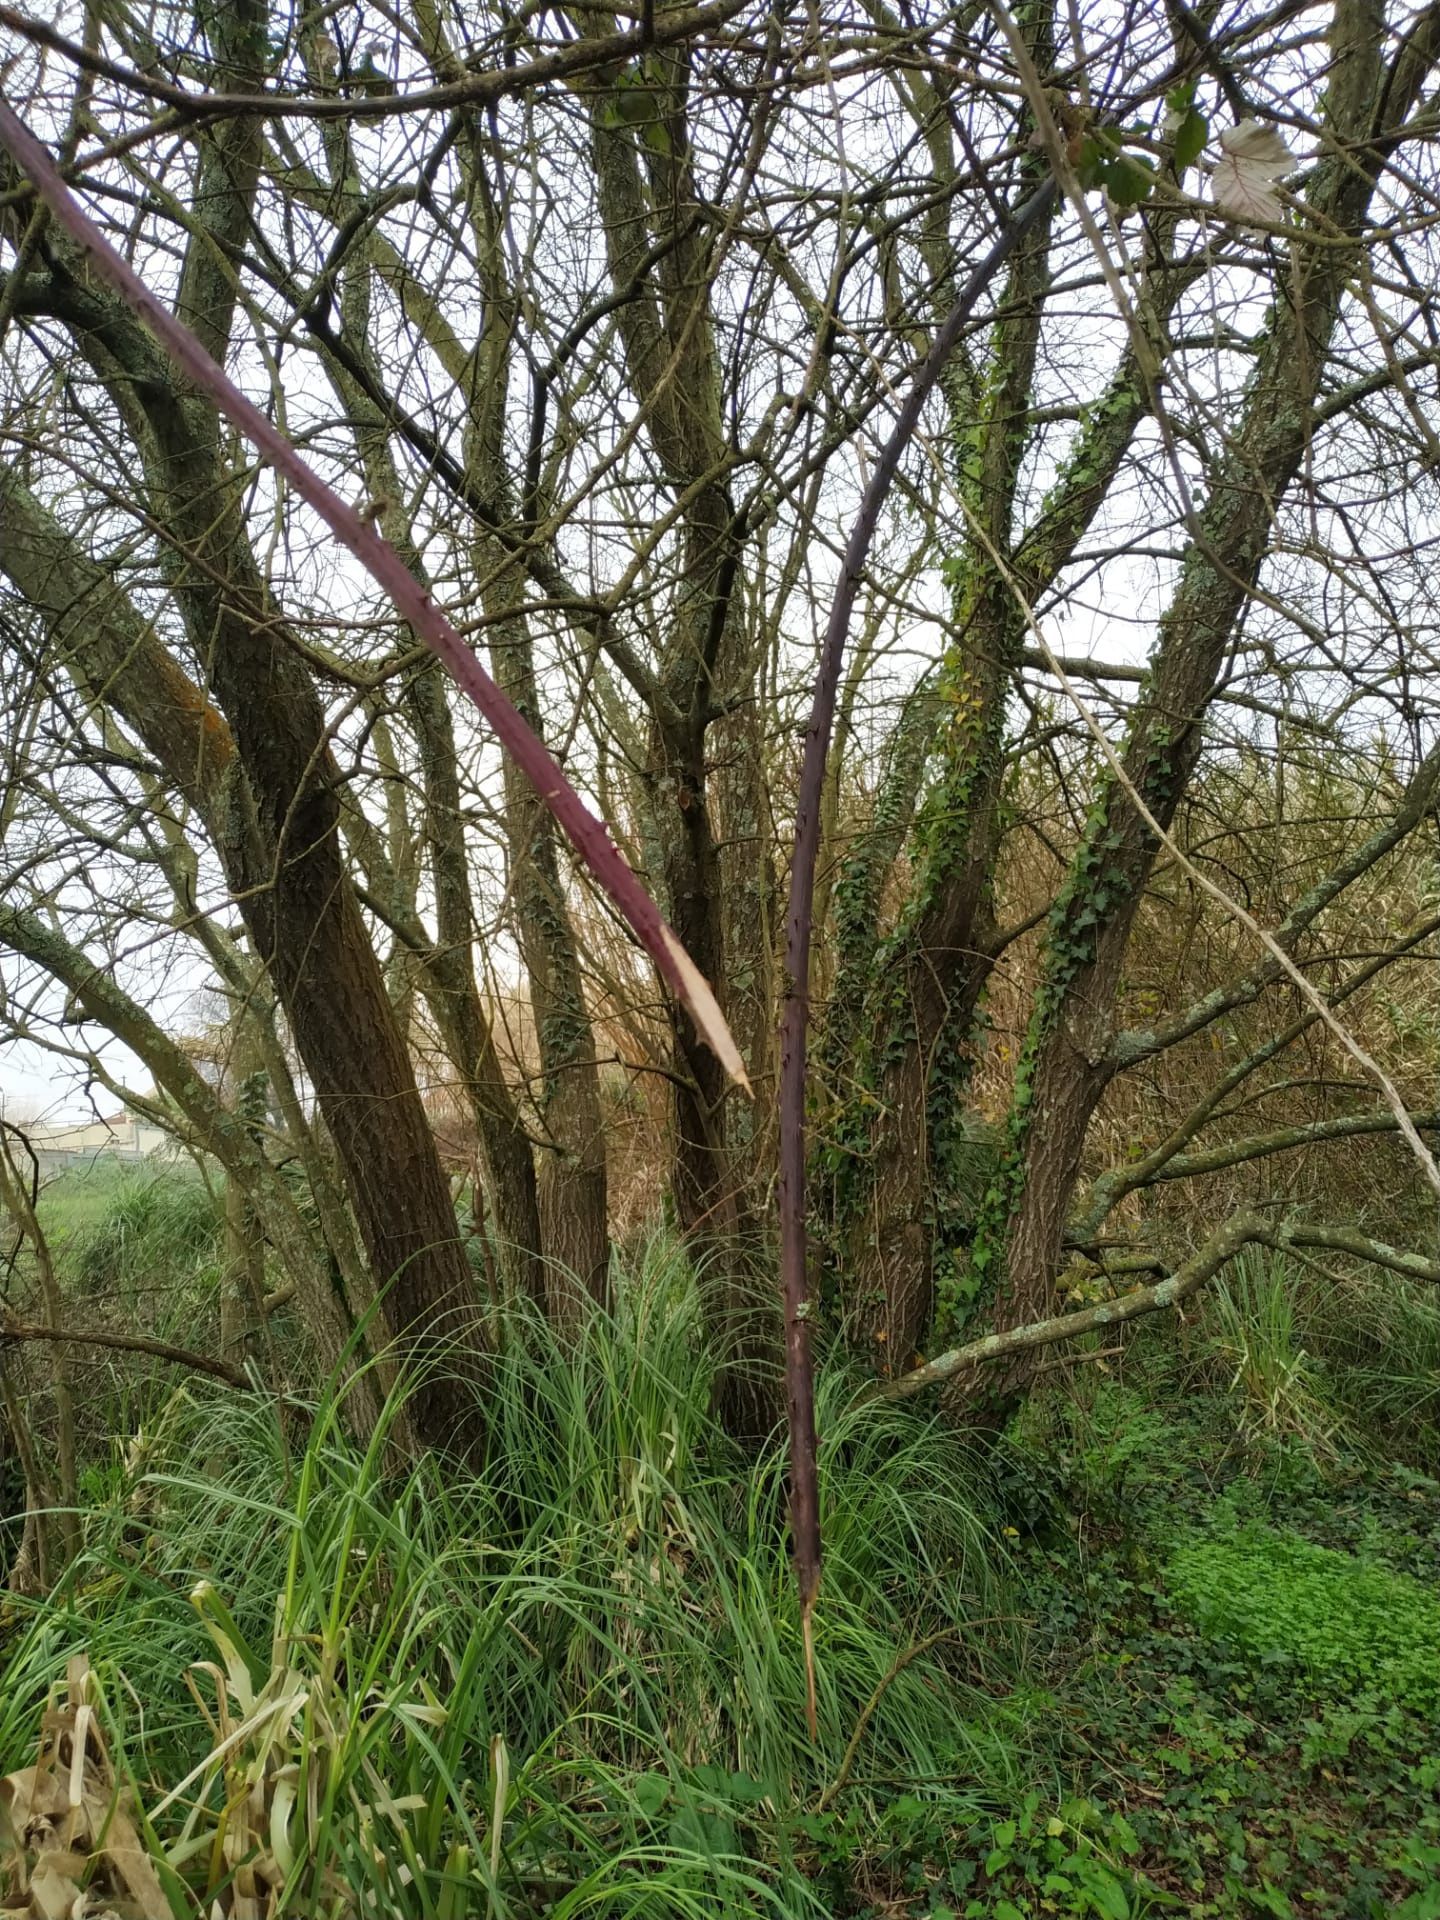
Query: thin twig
{"x": 795, "y": 1014}
{"x": 867, "y": 1712}
{"x": 569, "y": 64}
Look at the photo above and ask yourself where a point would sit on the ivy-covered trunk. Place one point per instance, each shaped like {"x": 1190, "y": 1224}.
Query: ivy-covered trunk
{"x": 1069, "y": 1057}
{"x": 922, "y": 983}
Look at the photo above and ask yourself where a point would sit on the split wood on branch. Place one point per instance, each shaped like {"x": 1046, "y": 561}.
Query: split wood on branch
{"x": 588, "y": 835}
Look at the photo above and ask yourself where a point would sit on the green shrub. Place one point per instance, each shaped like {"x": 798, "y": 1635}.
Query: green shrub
{"x": 1350, "y": 1626}
{"x": 160, "y": 1230}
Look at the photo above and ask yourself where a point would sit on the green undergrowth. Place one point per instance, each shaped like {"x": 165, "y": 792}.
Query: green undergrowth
{"x": 569, "y": 1683}
{"x": 75, "y": 1200}
{"x": 1172, "y": 1647}
{"x": 128, "y": 1225}
{"x": 1349, "y": 1628}
{"x": 1233, "y": 1578}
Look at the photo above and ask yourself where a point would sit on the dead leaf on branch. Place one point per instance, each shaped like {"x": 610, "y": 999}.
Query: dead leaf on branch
{"x": 1254, "y": 159}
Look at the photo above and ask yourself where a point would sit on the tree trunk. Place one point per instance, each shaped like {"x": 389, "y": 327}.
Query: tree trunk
{"x": 281, "y": 856}
{"x": 1068, "y": 1058}
{"x": 647, "y": 194}
{"x": 572, "y": 1183}
{"x": 913, "y": 1211}
{"x": 280, "y": 842}
{"x": 927, "y": 978}
{"x": 448, "y": 966}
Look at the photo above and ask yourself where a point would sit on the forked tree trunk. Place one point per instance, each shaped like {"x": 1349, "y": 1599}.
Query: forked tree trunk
{"x": 647, "y": 195}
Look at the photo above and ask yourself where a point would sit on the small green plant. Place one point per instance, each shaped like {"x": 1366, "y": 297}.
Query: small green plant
{"x": 1071, "y": 1859}
{"x": 1350, "y": 1627}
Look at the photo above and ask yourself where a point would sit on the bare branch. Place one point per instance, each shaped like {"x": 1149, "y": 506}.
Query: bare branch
{"x": 1241, "y": 1230}
{"x": 15, "y": 1331}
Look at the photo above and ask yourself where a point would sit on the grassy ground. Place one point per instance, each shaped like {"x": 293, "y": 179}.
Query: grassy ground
{"x": 75, "y": 1201}
{"x": 106, "y": 1215}
{"x": 1175, "y": 1647}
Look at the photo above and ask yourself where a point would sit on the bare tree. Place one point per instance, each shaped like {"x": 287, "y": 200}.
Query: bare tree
{"x": 606, "y": 320}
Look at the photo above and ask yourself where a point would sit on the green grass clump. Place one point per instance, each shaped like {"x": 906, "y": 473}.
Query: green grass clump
{"x": 1252, "y": 1315}
{"x": 1380, "y": 1337}
{"x": 157, "y": 1230}
{"x": 1350, "y": 1626}
{"x": 570, "y": 1681}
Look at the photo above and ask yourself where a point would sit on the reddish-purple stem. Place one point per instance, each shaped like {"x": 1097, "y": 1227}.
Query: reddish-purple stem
{"x": 587, "y": 833}
{"x": 794, "y": 1019}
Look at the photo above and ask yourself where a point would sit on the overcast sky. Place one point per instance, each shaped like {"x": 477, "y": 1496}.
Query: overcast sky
{"x": 35, "y": 1085}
